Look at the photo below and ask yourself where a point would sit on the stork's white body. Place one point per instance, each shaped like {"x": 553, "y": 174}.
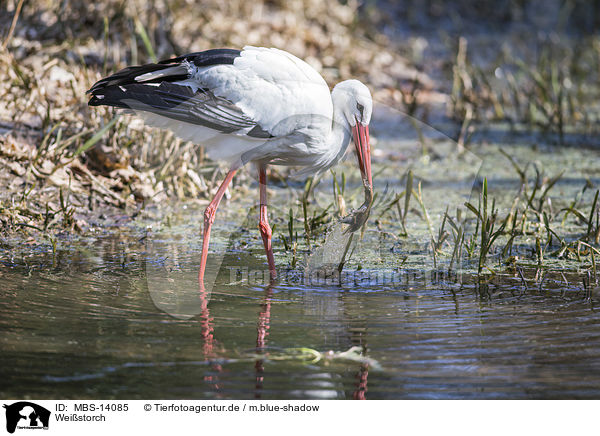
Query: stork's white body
{"x": 260, "y": 105}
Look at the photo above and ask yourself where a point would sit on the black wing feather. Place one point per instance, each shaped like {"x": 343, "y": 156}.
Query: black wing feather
{"x": 164, "y": 97}
{"x": 177, "y": 102}
{"x": 217, "y": 56}
{"x": 127, "y": 76}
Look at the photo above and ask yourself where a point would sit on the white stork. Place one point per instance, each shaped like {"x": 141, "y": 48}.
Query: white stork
{"x": 259, "y": 105}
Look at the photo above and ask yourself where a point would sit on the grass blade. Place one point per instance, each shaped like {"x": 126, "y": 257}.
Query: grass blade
{"x": 94, "y": 139}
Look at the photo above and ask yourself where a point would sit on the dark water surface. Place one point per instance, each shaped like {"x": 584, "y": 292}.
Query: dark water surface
{"x": 119, "y": 314}
{"x": 85, "y": 324}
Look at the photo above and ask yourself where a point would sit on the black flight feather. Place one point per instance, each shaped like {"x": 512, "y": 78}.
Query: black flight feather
{"x": 162, "y": 96}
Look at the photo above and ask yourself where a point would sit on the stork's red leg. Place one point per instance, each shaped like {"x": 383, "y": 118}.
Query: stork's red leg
{"x": 209, "y": 218}
{"x": 263, "y": 224}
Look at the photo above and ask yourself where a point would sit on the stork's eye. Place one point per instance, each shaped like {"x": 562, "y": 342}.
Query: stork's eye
{"x": 360, "y": 108}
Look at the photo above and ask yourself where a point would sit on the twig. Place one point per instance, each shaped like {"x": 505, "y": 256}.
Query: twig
{"x": 13, "y": 25}
{"x": 100, "y": 186}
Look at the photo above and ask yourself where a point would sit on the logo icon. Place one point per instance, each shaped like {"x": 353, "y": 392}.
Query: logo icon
{"x": 26, "y": 415}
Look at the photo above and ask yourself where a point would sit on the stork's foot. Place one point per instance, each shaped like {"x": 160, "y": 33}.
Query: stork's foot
{"x": 263, "y": 224}
{"x": 266, "y": 233}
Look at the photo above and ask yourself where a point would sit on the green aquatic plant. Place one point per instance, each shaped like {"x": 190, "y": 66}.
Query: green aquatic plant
{"x": 486, "y": 219}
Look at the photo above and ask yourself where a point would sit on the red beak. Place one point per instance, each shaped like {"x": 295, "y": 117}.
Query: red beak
{"x": 363, "y": 151}
{"x": 359, "y": 217}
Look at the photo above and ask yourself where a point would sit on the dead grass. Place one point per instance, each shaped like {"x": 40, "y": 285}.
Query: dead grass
{"x": 62, "y": 163}
{"x": 550, "y": 84}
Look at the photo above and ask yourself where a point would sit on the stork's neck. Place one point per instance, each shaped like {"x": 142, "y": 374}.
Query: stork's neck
{"x": 339, "y": 136}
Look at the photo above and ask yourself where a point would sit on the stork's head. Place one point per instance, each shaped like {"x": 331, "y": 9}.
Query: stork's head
{"x": 357, "y": 104}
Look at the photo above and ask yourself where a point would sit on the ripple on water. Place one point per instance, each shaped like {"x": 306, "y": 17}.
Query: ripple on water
{"x": 88, "y": 327}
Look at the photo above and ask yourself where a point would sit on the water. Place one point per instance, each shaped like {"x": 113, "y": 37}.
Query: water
{"x": 84, "y": 324}
{"x": 119, "y": 313}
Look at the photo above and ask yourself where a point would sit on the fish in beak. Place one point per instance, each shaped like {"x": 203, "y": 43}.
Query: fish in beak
{"x": 358, "y": 217}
